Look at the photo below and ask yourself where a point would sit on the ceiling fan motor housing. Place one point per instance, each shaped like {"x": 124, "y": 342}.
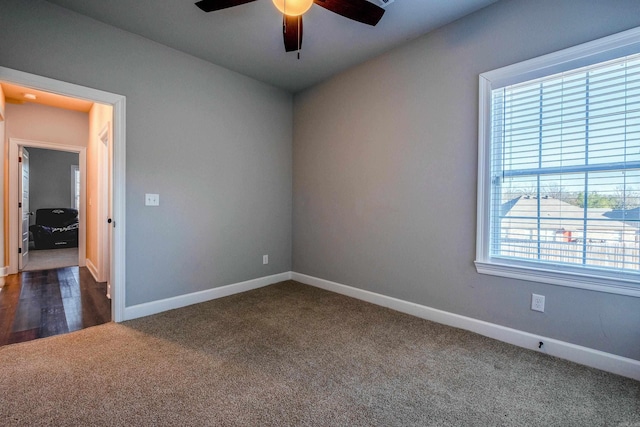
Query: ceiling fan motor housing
{"x": 364, "y": 11}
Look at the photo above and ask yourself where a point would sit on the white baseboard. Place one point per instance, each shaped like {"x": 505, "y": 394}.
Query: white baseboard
{"x": 583, "y": 355}
{"x": 92, "y": 269}
{"x": 4, "y": 271}
{"x": 155, "y": 307}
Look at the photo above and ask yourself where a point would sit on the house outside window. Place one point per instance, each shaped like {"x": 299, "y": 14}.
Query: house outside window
{"x": 559, "y": 168}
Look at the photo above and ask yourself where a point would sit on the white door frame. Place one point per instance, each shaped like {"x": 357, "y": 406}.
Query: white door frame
{"x": 22, "y": 207}
{"x": 118, "y": 102}
{"x": 15, "y": 222}
{"x": 103, "y": 254}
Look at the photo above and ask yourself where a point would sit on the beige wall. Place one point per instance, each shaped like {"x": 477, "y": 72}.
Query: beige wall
{"x": 99, "y": 116}
{"x": 50, "y": 124}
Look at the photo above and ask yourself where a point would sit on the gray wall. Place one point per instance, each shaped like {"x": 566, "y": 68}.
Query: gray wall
{"x": 384, "y": 163}
{"x": 214, "y": 144}
{"x": 385, "y": 167}
{"x": 50, "y": 179}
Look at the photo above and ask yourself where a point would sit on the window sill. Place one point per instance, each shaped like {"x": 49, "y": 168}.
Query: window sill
{"x": 582, "y": 280}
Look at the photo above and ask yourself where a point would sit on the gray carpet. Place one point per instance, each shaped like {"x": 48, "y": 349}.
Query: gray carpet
{"x": 290, "y": 354}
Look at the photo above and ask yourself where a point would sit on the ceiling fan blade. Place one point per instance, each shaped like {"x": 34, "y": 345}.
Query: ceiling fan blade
{"x": 358, "y": 10}
{"x": 213, "y": 5}
{"x": 292, "y": 32}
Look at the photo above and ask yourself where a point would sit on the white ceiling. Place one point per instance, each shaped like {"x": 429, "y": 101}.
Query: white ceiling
{"x": 248, "y": 38}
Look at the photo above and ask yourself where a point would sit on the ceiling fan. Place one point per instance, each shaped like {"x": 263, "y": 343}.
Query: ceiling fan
{"x": 292, "y": 11}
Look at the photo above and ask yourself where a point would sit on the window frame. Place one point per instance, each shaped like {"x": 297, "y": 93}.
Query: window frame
{"x": 591, "y": 278}
{"x": 75, "y": 186}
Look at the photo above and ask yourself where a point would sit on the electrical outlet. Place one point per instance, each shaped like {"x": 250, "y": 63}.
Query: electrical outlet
{"x": 537, "y": 302}
{"x": 265, "y": 259}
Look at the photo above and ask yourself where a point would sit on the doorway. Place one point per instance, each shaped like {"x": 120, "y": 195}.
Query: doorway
{"x": 117, "y": 223}
{"x": 51, "y": 205}
{"x": 16, "y": 216}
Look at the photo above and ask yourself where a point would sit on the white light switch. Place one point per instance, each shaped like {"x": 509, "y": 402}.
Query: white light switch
{"x": 152, "y": 199}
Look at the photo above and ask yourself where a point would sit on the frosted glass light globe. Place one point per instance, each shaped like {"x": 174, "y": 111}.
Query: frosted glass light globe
{"x": 293, "y": 7}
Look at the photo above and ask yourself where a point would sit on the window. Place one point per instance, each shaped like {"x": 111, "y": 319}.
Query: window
{"x": 559, "y": 168}
{"x": 75, "y": 187}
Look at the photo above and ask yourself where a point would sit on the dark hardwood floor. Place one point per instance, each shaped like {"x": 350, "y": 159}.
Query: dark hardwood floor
{"x": 37, "y": 304}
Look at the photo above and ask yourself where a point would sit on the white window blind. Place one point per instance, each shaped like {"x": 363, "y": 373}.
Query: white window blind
{"x": 559, "y": 167}
{"x": 565, "y": 169}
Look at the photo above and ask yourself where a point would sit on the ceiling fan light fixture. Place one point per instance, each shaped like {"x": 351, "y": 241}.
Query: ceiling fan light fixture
{"x": 293, "y": 7}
